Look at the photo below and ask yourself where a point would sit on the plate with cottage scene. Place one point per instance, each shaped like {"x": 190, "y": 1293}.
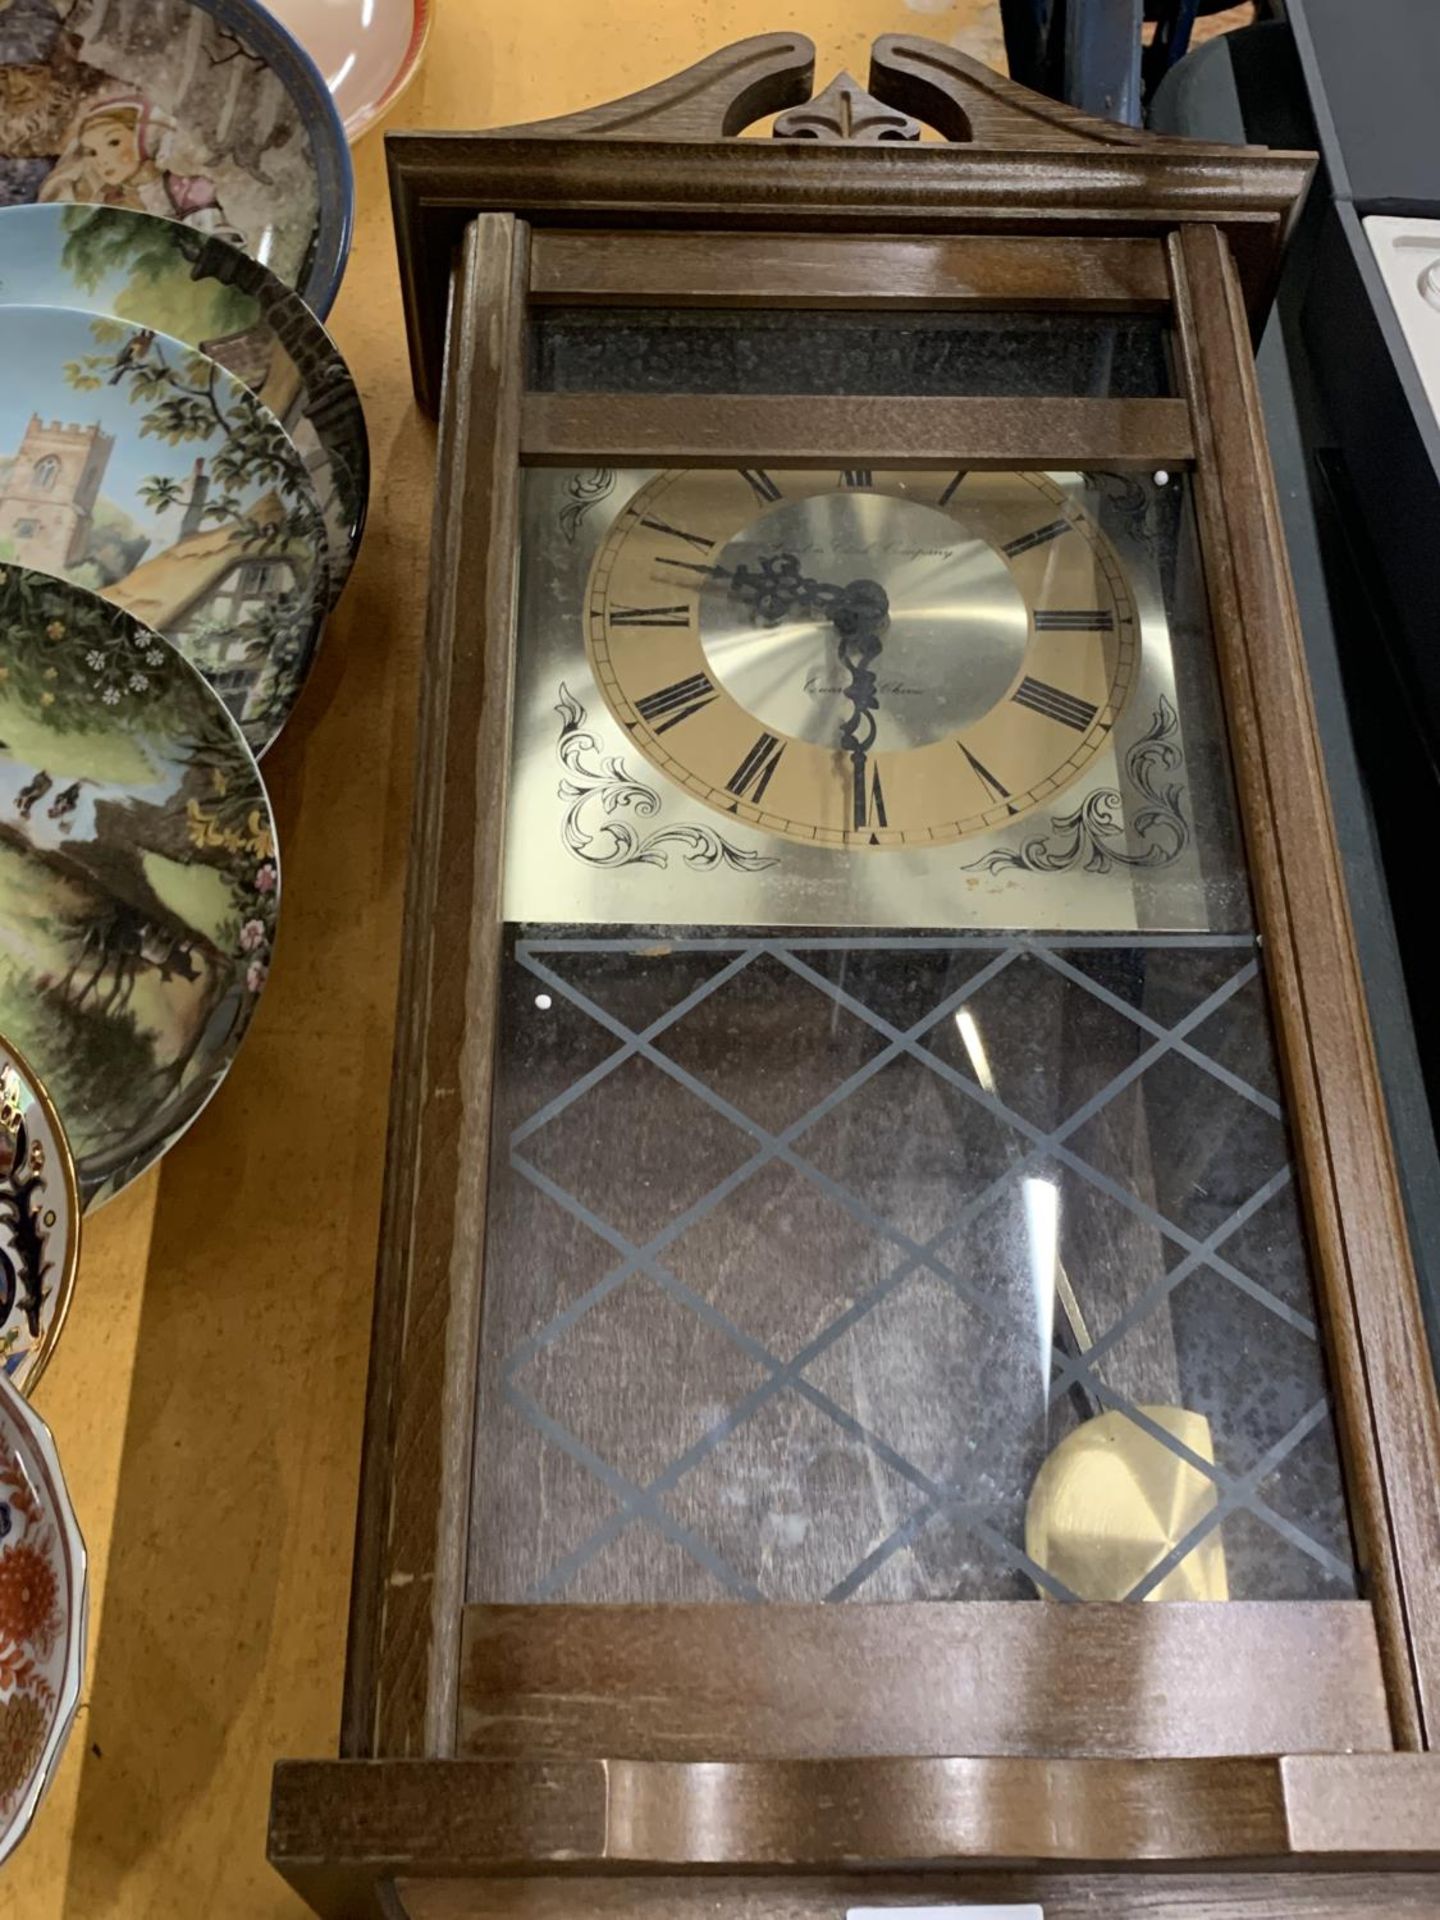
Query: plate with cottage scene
{"x": 43, "y": 1596}
{"x": 202, "y": 111}
{"x": 39, "y": 1221}
{"x": 136, "y": 466}
{"x": 139, "y": 883}
{"x": 368, "y": 50}
{"x": 198, "y": 288}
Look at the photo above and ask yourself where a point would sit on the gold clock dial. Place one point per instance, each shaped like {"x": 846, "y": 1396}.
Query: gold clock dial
{"x": 862, "y": 659}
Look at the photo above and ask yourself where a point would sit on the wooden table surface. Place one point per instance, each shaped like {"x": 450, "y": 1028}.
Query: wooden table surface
{"x": 207, "y": 1397}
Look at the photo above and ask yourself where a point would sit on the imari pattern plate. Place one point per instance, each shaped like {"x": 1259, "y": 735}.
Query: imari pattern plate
{"x": 39, "y": 1221}
{"x": 42, "y": 1615}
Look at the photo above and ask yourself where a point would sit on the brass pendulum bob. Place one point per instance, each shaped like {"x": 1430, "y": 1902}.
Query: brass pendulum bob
{"x": 1111, "y": 1500}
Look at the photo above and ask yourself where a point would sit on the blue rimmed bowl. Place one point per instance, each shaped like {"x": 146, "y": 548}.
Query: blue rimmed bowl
{"x": 202, "y": 111}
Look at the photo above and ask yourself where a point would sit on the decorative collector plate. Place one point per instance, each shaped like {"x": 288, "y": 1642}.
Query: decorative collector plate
{"x": 43, "y": 1596}
{"x": 138, "y": 876}
{"x": 135, "y": 466}
{"x": 205, "y": 111}
{"x": 39, "y": 1221}
{"x": 367, "y": 50}
{"x": 199, "y": 289}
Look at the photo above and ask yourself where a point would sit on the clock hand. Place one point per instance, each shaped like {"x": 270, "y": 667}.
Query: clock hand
{"x": 773, "y": 588}
{"x": 860, "y": 620}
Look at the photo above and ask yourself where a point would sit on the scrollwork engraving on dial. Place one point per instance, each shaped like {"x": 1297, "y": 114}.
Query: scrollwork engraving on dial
{"x": 599, "y": 793}
{"x": 1091, "y": 837}
{"x": 586, "y": 490}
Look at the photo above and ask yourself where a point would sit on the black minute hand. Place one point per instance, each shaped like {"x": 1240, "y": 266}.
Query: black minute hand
{"x": 860, "y": 620}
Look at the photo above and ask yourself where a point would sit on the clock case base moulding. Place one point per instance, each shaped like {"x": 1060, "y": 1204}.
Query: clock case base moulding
{"x": 629, "y": 1759}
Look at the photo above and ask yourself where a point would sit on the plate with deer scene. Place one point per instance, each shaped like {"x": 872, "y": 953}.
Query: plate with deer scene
{"x": 39, "y": 1221}
{"x": 139, "y": 882}
{"x": 204, "y": 111}
{"x": 198, "y": 288}
{"x": 137, "y": 466}
{"x": 43, "y": 1595}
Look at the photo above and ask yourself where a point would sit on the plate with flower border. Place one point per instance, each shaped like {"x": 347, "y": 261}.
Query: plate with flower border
{"x": 39, "y": 1222}
{"x": 44, "y": 1594}
{"x": 139, "y": 880}
{"x": 197, "y": 288}
{"x": 136, "y": 466}
{"x": 202, "y": 111}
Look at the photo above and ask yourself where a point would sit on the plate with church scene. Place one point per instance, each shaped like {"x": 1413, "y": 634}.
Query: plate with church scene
{"x": 139, "y": 882}
{"x": 198, "y": 288}
{"x": 203, "y": 111}
{"x": 136, "y": 466}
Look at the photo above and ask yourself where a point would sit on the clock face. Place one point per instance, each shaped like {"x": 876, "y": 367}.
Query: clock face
{"x": 910, "y": 698}
{"x": 862, "y": 660}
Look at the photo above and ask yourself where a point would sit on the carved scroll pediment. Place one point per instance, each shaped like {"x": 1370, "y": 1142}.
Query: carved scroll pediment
{"x": 718, "y": 97}
{"x": 913, "y": 84}
{"x": 966, "y": 101}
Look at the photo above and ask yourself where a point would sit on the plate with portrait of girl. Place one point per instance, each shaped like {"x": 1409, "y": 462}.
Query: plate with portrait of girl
{"x": 202, "y": 111}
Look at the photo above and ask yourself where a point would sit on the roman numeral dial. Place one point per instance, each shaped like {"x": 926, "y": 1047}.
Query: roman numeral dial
{"x": 668, "y": 706}
{"x": 1053, "y": 703}
{"x": 862, "y": 660}
{"x": 754, "y": 773}
{"x": 676, "y": 616}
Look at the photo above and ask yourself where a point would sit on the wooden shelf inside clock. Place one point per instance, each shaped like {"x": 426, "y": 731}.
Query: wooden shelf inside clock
{"x": 986, "y": 274}
{"x": 799, "y": 430}
{"x": 928, "y": 1678}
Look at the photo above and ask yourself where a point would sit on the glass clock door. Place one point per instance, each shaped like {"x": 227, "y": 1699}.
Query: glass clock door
{"x": 891, "y": 1196}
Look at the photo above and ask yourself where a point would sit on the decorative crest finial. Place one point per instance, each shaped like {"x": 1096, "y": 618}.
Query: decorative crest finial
{"x": 845, "y": 111}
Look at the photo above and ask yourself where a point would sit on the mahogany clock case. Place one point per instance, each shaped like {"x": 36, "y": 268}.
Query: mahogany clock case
{"x": 868, "y": 1128}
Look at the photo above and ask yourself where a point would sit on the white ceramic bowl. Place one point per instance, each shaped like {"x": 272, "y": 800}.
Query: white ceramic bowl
{"x": 368, "y": 51}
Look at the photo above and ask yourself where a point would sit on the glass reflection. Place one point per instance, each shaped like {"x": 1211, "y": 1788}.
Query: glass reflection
{"x": 796, "y": 1223}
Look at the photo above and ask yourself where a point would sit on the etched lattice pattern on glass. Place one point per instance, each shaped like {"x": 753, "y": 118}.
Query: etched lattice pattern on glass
{"x": 807, "y": 1254}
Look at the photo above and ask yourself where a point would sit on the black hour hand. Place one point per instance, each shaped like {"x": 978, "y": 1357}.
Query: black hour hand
{"x": 771, "y": 589}
{"x": 774, "y": 588}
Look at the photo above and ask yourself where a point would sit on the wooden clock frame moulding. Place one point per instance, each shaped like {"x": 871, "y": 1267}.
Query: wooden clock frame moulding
{"x": 495, "y": 1747}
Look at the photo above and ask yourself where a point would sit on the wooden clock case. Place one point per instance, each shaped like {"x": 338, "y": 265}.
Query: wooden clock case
{"x": 1246, "y": 1758}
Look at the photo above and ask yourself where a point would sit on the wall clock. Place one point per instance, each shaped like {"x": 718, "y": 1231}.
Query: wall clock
{"x": 897, "y": 1369}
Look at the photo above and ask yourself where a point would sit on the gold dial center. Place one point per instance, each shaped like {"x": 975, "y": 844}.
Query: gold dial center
{"x": 950, "y": 649}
